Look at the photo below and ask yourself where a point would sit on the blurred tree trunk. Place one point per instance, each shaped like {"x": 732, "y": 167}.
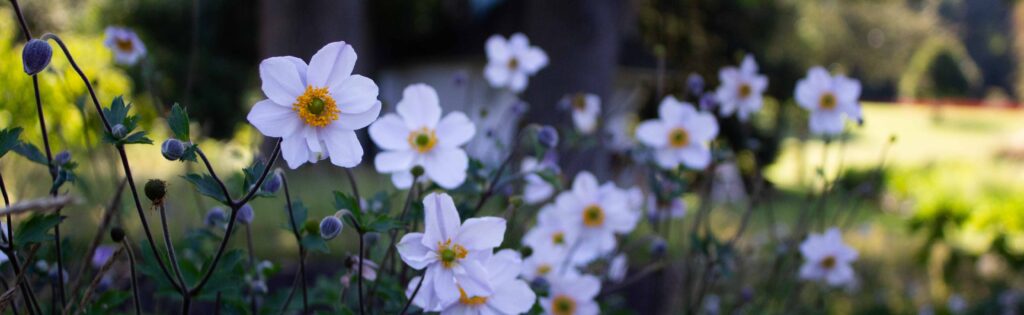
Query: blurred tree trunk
{"x": 582, "y": 40}
{"x": 301, "y": 28}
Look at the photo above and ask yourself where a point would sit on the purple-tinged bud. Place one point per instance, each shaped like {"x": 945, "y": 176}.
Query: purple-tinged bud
{"x": 102, "y": 255}
{"x": 708, "y": 102}
{"x": 119, "y": 131}
{"x": 215, "y": 216}
{"x": 330, "y": 227}
{"x": 695, "y": 84}
{"x": 172, "y": 149}
{"x": 548, "y": 136}
{"x": 273, "y": 183}
{"x": 36, "y": 56}
{"x": 64, "y": 157}
{"x": 245, "y": 214}
{"x": 658, "y": 246}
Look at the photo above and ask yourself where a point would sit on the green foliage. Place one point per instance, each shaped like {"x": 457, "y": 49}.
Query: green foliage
{"x": 365, "y": 221}
{"x": 36, "y": 229}
{"x": 117, "y": 114}
{"x": 179, "y": 122}
{"x": 9, "y": 139}
{"x": 207, "y": 186}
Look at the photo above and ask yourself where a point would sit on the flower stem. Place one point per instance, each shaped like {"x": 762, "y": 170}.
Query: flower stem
{"x": 298, "y": 239}
{"x": 170, "y": 250}
{"x": 362, "y": 257}
{"x": 12, "y": 253}
{"x": 135, "y": 280}
{"x": 414, "y": 292}
{"x": 252, "y": 265}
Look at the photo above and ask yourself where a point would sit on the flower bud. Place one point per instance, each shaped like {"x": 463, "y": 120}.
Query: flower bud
{"x": 36, "y": 56}
{"x": 117, "y": 234}
{"x": 215, "y": 216}
{"x": 119, "y": 131}
{"x": 245, "y": 214}
{"x": 417, "y": 171}
{"x": 548, "y": 136}
{"x": 658, "y": 246}
{"x": 64, "y": 157}
{"x": 708, "y": 102}
{"x": 273, "y": 183}
{"x": 172, "y": 149}
{"x": 695, "y": 84}
{"x": 330, "y": 227}
{"x": 102, "y": 255}
{"x": 156, "y": 190}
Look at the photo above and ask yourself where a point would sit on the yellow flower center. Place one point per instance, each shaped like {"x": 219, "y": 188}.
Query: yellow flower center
{"x": 466, "y": 300}
{"x": 316, "y": 107}
{"x": 543, "y": 269}
{"x": 827, "y": 101}
{"x": 829, "y": 262}
{"x": 450, "y": 253}
{"x": 423, "y": 140}
{"x": 593, "y": 216}
{"x": 563, "y": 305}
{"x": 579, "y": 102}
{"x": 513, "y": 63}
{"x": 678, "y": 138}
{"x": 124, "y": 44}
{"x": 745, "y": 90}
{"x": 558, "y": 238}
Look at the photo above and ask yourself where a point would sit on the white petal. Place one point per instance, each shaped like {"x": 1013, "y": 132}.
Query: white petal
{"x": 514, "y": 297}
{"x": 294, "y": 151}
{"x": 695, "y": 156}
{"x": 652, "y": 133}
{"x": 343, "y": 147}
{"x": 444, "y": 284}
{"x": 826, "y": 122}
{"x": 673, "y": 111}
{"x": 666, "y": 158}
{"x": 282, "y": 82}
{"x": 446, "y": 167}
{"x": 442, "y": 219}
{"x": 412, "y": 251}
{"x": 419, "y": 107}
{"x": 273, "y": 120}
{"x": 355, "y": 121}
{"x": 585, "y": 187}
{"x": 454, "y": 130}
{"x": 496, "y": 48}
{"x": 425, "y": 297}
{"x": 483, "y": 233}
{"x": 749, "y": 66}
{"x": 389, "y": 132}
{"x": 394, "y": 161}
{"x": 402, "y": 180}
{"x": 702, "y": 127}
{"x": 533, "y": 60}
{"x": 497, "y": 74}
{"x": 518, "y": 43}
{"x": 807, "y": 94}
{"x": 355, "y": 94}
{"x": 474, "y": 278}
{"x": 331, "y": 65}
{"x": 584, "y": 288}
{"x": 517, "y": 81}
{"x": 504, "y": 266}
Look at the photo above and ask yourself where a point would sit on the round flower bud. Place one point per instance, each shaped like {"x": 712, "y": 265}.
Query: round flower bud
{"x": 548, "y": 136}
{"x": 658, "y": 246}
{"x": 417, "y": 171}
{"x": 119, "y": 131}
{"x": 330, "y": 227}
{"x": 172, "y": 149}
{"x": 36, "y": 56}
{"x": 156, "y": 190}
{"x": 273, "y": 183}
{"x": 64, "y": 157}
{"x": 695, "y": 84}
{"x": 708, "y": 102}
{"x": 117, "y": 234}
{"x": 245, "y": 214}
{"x": 215, "y": 216}
{"x": 526, "y": 251}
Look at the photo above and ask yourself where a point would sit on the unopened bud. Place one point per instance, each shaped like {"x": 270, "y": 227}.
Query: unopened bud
{"x": 417, "y": 171}
{"x": 548, "y": 136}
{"x": 36, "y": 56}
{"x": 330, "y": 227}
{"x": 64, "y": 157}
{"x": 695, "y": 84}
{"x": 172, "y": 149}
{"x": 156, "y": 190}
{"x": 117, "y": 234}
{"x": 245, "y": 214}
{"x": 273, "y": 183}
{"x": 119, "y": 131}
{"x": 215, "y": 216}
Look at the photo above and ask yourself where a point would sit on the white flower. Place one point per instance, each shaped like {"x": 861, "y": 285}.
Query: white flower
{"x": 586, "y": 109}
{"x": 621, "y": 131}
{"x": 452, "y": 252}
{"x": 828, "y": 99}
{"x": 417, "y": 135}
{"x": 511, "y": 62}
{"x": 316, "y": 109}
{"x": 125, "y": 44}
{"x": 536, "y": 189}
{"x": 547, "y": 261}
{"x": 741, "y": 89}
{"x": 680, "y": 135}
{"x": 827, "y": 258}
{"x": 673, "y": 209}
{"x": 511, "y": 295}
{"x": 599, "y": 212}
{"x": 617, "y": 268}
{"x": 572, "y": 295}
{"x": 551, "y": 230}
{"x": 498, "y": 122}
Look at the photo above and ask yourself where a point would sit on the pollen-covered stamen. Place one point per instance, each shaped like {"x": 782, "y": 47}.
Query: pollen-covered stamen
{"x": 678, "y": 138}
{"x": 513, "y": 63}
{"x": 316, "y": 107}
{"x": 449, "y": 253}
{"x": 745, "y": 90}
{"x": 558, "y": 238}
{"x": 124, "y": 44}
{"x": 467, "y": 300}
{"x": 829, "y": 262}
{"x": 563, "y": 305}
{"x": 579, "y": 102}
{"x": 827, "y": 101}
{"x": 593, "y": 216}
{"x": 423, "y": 140}
{"x": 543, "y": 269}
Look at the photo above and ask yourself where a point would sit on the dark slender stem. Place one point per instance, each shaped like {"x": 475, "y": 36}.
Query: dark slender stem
{"x": 386, "y": 261}
{"x": 12, "y": 253}
{"x": 362, "y": 257}
{"x": 14, "y": 306}
{"x": 186, "y": 305}
{"x": 352, "y": 182}
{"x": 135, "y": 280}
{"x": 21, "y": 20}
{"x": 85, "y": 79}
{"x": 209, "y": 168}
{"x": 413, "y": 296}
{"x": 252, "y": 266}
{"x": 231, "y": 221}
{"x": 298, "y": 239}
{"x": 53, "y": 178}
{"x": 216, "y": 305}
{"x": 291, "y": 293}
{"x": 497, "y": 175}
{"x": 170, "y": 247}
{"x": 108, "y": 215}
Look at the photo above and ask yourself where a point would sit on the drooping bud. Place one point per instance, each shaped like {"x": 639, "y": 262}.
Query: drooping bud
{"x": 64, "y": 157}
{"x": 102, "y": 255}
{"x": 156, "y": 190}
{"x": 119, "y": 131}
{"x": 273, "y": 183}
{"x": 695, "y": 84}
{"x": 117, "y": 234}
{"x": 245, "y": 214}
{"x": 36, "y": 56}
{"x": 215, "y": 216}
{"x": 330, "y": 227}
{"x": 172, "y": 149}
{"x": 548, "y": 136}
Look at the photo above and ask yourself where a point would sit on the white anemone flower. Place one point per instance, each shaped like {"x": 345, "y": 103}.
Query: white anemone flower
{"x": 827, "y": 258}
{"x": 417, "y": 135}
{"x": 680, "y": 135}
{"x": 315, "y": 109}
{"x": 741, "y": 90}
{"x": 551, "y": 230}
{"x": 829, "y": 99}
{"x": 453, "y": 253}
{"x": 546, "y": 261}
{"x": 586, "y": 109}
{"x": 572, "y": 295}
{"x": 536, "y": 189}
{"x": 511, "y": 295}
{"x": 599, "y": 212}
{"x": 511, "y": 62}
{"x": 125, "y": 44}
{"x": 621, "y": 132}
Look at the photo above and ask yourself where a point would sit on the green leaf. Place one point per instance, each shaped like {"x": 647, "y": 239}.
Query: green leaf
{"x": 348, "y": 202}
{"x": 117, "y": 113}
{"x": 178, "y": 120}
{"x": 382, "y": 224}
{"x": 9, "y": 139}
{"x": 31, "y": 152}
{"x": 36, "y": 228}
{"x": 299, "y": 213}
{"x": 138, "y": 137}
{"x": 207, "y": 186}
{"x": 315, "y": 243}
